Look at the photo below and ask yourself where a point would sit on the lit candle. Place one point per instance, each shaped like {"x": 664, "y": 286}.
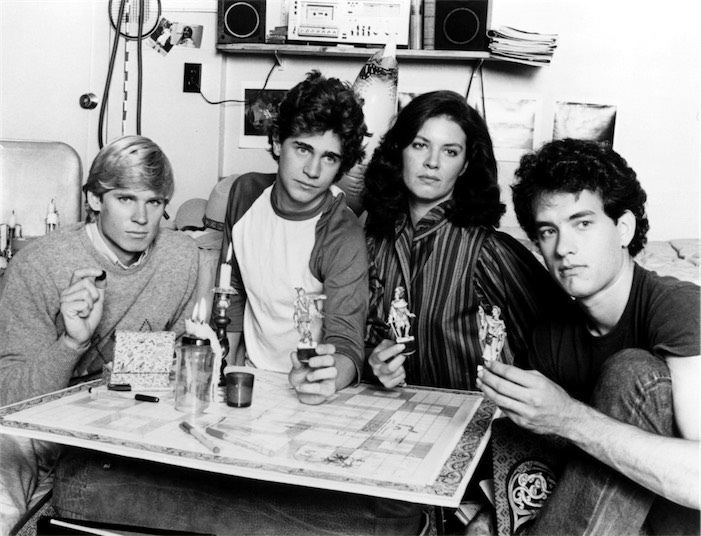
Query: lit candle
{"x": 196, "y": 327}
{"x": 202, "y": 316}
{"x": 225, "y": 270}
{"x": 196, "y": 312}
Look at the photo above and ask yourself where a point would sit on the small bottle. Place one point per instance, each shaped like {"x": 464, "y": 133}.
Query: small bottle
{"x": 52, "y": 221}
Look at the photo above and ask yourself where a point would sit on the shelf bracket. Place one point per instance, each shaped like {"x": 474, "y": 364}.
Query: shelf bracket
{"x": 278, "y": 59}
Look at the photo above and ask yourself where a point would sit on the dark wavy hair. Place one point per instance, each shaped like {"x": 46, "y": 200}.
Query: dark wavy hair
{"x": 316, "y": 105}
{"x": 572, "y": 166}
{"x": 476, "y": 194}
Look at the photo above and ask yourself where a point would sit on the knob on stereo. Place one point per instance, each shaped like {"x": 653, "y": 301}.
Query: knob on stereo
{"x": 88, "y": 101}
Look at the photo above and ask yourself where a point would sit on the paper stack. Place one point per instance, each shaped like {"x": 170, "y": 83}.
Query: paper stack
{"x": 520, "y": 46}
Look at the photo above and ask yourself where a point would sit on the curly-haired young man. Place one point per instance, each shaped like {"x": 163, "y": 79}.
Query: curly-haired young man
{"x": 292, "y": 229}
{"x": 617, "y": 374}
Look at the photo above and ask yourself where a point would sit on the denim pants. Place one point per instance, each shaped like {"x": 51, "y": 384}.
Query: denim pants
{"x": 25, "y": 469}
{"x": 590, "y": 498}
{"x": 103, "y": 487}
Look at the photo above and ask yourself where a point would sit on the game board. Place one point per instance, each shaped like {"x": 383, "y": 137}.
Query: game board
{"x": 417, "y": 444}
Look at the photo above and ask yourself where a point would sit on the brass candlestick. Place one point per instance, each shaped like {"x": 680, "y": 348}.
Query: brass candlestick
{"x": 221, "y": 321}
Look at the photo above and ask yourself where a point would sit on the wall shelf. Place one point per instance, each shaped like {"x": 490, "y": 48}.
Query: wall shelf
{"x": 352, "y": 52}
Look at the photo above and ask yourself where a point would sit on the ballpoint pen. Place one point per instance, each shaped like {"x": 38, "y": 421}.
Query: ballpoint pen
{"x": 100, "y": 393}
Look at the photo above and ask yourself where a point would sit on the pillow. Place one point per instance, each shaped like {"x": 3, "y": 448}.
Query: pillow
{"x": 687, "y": 249}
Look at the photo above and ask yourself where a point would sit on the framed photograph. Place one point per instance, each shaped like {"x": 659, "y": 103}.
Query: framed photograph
{"x": 259, "y": 108}
{"x": 511, "y": 120}
{"x": 585, "y": 121}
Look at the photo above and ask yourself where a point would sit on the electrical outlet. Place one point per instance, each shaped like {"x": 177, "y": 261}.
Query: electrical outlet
{"x": 192, "y": 77}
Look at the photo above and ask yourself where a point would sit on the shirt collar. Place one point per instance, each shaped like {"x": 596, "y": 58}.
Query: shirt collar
{"x": 104, "y": 250}
{"x": 433, "y": 219}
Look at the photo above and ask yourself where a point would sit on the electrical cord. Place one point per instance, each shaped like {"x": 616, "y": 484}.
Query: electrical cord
{"x": 472, "y": 76}
{"x": 484, "y": 106}
{"x": 108, "y": 81}
{"x": 139, "y": 62}
{"x": 478, "y": 70}
{"x": 247, "y": 101}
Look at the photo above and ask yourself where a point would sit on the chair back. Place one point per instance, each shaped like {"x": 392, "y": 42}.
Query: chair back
{"x": 32, "y": 173}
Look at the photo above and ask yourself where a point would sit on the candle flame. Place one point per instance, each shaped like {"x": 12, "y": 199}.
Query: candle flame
{"x": 229, "y": 253}
{"x": 196, "y": 312}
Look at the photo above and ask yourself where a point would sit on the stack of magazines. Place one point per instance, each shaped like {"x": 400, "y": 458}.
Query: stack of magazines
{"x": 522, "y": 47}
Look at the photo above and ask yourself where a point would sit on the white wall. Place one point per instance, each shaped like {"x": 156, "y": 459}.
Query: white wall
{"x": 184, "y": 124}
{"x": 640, "y": 56}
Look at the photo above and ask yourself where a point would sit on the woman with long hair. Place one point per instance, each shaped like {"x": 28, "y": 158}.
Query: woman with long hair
{"x": 433, "y": 202}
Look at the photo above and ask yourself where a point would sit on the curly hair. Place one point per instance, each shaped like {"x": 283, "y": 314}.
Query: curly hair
{"x": 128, "y": 162}
{"x": 317, "y": 105}
{"x": 476, "y": 195}
{"x": 571, "y": 166}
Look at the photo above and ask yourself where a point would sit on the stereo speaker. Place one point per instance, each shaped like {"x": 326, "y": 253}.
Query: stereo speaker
{"x": 240, "y": 22}
{"x": 462, "y": 24}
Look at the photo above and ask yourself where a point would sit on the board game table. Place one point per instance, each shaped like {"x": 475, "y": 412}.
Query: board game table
{"x": 414, "y": 444}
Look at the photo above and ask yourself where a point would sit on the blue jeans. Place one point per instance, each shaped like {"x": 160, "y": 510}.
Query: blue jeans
{"x": 103, "y": 487}
{"x": 25, "y": 472}
{"x": 590, "y": 498}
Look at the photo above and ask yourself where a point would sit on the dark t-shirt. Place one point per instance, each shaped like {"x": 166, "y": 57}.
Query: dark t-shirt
{"x": 661, "y": 317}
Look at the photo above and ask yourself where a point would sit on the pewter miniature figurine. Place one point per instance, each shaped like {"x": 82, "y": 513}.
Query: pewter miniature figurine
{"x": 492, "y": 333}
{"x": 307, "y": 307}
{"x": 399, "y": 321}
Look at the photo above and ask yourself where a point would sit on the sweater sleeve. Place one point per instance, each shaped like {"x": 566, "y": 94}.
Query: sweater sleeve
{"x": 34, "y": 359}
{"x": 189, "y": 257}
{"x": 339, "y": 261}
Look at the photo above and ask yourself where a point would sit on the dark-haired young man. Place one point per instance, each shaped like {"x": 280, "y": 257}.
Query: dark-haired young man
{"x": 293, "y": 229}
{"x": 288, "y": 229}
{"x": 618, "y": 374}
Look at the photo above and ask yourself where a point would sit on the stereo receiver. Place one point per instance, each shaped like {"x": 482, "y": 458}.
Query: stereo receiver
{"x": 352, "y": 22}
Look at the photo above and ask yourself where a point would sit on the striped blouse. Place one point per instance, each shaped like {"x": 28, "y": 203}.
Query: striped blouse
{"x": 448, "y": 272}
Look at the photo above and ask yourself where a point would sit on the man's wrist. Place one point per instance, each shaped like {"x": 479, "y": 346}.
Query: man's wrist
{"x": 75, "y": 345}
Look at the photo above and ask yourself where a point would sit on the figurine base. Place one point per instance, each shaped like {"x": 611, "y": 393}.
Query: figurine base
{"x": 305, "y": 354}
{"x": 409, "y": 345}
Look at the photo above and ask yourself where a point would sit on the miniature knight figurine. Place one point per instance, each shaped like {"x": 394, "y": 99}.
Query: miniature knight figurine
{"x": 492, "y": 333}
{"x": 307, "y": 307}
{"x": 399, "y": 321}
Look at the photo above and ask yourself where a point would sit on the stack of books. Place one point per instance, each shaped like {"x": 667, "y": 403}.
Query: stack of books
{"x": 277, "y": 35}
{"x": 520, "y": 46}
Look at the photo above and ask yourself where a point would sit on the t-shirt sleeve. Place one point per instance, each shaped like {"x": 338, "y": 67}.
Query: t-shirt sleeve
{"x": 237, "y": 301}
{"x": 339, "y": 261}
{"x": 674, "y": 322}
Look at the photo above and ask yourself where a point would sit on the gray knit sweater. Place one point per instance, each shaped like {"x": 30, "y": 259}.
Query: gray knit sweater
{"x": 156, "y": 295}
